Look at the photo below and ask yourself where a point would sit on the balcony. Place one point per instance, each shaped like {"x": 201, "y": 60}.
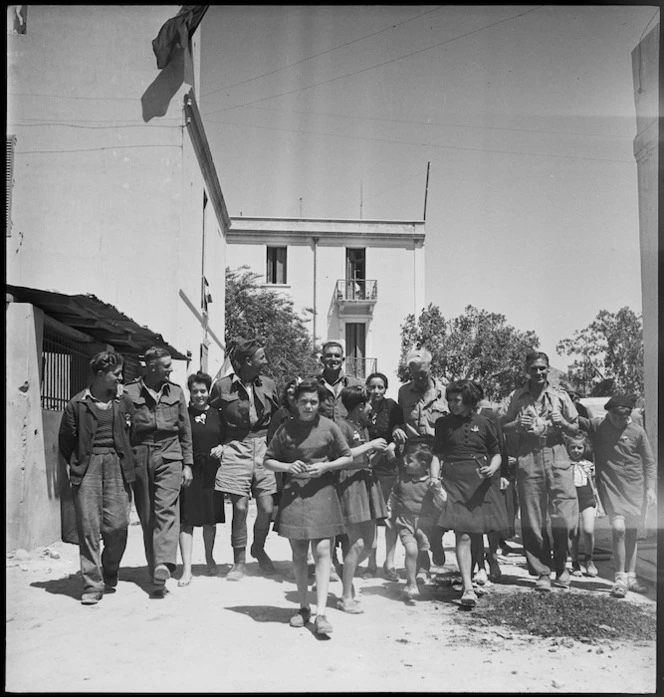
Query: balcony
{"x": 360, "y": 367}
{"x": 351, "y": 291}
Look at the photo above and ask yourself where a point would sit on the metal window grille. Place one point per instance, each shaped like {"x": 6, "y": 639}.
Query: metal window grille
{"x": 65, "y": 369}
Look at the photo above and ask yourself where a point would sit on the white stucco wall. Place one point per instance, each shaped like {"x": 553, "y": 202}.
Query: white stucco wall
{"x": 108, "y": 194}
{"x": 394, "y": 262}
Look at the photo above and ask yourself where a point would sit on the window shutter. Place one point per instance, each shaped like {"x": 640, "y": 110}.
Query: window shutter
{"x": 11, "y": 142}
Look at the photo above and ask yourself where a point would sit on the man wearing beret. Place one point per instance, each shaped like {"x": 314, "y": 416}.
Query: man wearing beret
{"x": 539, "y": 415}
{"x": 246, "y": 401}
{"x": 161, "y": 440}
{"x": 626, "y": 479}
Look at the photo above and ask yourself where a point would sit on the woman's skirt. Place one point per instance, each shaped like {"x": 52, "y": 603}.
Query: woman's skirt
{"x": 474, "y": 503}
{"x": 360, "y": 496}
{"x": 199, "y": 503}
{"x": 309, "y": 509}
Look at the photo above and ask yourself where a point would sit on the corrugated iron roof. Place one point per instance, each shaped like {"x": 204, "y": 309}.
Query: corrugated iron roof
{"x": 98, "y": 319}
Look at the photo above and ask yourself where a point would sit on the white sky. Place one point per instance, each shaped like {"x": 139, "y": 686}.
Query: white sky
{"x": 528, "y": 124}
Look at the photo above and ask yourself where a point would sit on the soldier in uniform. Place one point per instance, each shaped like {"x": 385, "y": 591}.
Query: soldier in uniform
{"x": 246, "y": 401}
{"x": 161, "y": 440}
{"x": 539, "y": 414}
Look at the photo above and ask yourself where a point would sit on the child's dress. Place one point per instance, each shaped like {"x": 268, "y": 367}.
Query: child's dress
{"x": 309, "y": 507}
{"x": 584, "y": 471}
{"x": 359, "y": 492}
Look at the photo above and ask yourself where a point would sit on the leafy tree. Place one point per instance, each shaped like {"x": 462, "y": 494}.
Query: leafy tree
{"x": 255, "y": 312}
{"x": 477, "y": 344}
{"x": 609, "y": 355}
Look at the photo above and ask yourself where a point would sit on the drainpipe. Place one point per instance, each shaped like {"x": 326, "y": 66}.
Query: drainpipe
{"x": 315, "y": 241}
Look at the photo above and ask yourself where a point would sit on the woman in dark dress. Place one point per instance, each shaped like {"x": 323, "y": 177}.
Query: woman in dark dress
{"x": 385, "y": 414}
{"x": 200, "y": 504}
{"x": 469, "y": 450}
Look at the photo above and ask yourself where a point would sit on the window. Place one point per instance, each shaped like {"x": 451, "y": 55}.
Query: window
{"x": 276, "y": 265}
{"x": 11, "y": 143}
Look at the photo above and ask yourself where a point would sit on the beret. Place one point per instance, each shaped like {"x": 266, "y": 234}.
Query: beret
{"x": 621, "y": 400}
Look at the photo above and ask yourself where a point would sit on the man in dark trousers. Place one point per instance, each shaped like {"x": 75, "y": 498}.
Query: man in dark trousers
{"x": 161, "y": 437}
{"x": 94, "y": 441}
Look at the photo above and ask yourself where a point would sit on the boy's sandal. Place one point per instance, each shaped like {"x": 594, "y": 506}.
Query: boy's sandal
{"x": 351, "y": 607}
{"x": 322, "y": 626}
{"x": 619, "y": 589}
{"x": 303, "y": 616}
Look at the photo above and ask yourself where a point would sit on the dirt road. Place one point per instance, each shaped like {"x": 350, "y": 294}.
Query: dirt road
{"x": 216, "y": 636}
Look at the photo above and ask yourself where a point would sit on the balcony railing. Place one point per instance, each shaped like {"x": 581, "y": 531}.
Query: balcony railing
{"x": 360, "y": 367}
{"x": 351, "y": 290}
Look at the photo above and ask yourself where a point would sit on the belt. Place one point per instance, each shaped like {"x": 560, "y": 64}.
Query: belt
{"x": 102, "y": 450}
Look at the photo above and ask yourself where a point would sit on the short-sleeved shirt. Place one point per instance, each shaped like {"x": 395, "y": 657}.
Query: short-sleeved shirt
{"x": 319, "y": 440}
{"x": 421, "y": 411}
{"x": 409, "y": 493}
{"x": 549, "y": 401}
{"x": 463, "y": 437}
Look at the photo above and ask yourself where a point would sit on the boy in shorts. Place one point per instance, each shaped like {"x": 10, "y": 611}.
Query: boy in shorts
{"x": 414, "y": 506}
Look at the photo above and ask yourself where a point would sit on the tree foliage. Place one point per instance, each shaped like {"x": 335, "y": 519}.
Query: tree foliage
{"x": 255, "y": 312}
{"x": 477, "y": 344}
{"x": 609, "y": 355}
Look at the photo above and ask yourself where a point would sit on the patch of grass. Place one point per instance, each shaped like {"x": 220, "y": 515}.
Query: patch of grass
{"x": 579, "y": 616}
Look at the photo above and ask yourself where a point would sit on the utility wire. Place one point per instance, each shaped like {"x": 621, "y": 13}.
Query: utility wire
{"x": 378, "y": 65}
{"x": 427, "y": 144}
{"x": 109, "y": 147}
{"x": 438, "y": 123}
{"x": 72, "y": 125}
{"x": 322, "y": 53}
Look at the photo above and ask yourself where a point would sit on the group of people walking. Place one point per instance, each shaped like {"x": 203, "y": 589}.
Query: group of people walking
{"x": 332, "y": 458}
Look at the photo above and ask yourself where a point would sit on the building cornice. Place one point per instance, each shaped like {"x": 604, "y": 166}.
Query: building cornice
{"x": 327, "y": 231}
{"x": 204, "y": 155}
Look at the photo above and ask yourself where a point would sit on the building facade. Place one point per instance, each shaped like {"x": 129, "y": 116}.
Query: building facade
{"x": 116, "y": 225}
{"x": 359, "y": 278}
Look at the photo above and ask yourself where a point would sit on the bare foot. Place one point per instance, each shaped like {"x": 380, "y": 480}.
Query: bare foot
{"x": 184, "y": 580}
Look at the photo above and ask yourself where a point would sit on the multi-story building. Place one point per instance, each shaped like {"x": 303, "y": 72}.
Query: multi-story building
{"x": 116, "y": 223}
{"x": 361, "y": 278}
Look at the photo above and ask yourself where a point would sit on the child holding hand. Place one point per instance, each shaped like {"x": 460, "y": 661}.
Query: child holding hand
{"x": 414, "y": 507}
{"x": 584, "y": 473}
{"x": 359, "y": 492}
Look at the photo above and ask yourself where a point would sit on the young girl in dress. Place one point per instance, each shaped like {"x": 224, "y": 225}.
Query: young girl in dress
{"x": 584, "y": 472}
{"x": 309, "y": 449}
{"x": 361, "y": 498}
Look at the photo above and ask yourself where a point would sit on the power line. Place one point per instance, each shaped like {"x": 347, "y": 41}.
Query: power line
{"x": 438, "y": 123}
{"x": 378, "y": 65}
{"x": 422, "y": 144}
{"x": 62, "y": 96}
{"x": 109, "y": 147}
{"x": 322, "y": 53}
{"x": 72, "y": 125}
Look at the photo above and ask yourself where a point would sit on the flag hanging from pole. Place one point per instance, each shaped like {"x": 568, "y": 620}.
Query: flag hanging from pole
{"x": 176, "y": 32}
